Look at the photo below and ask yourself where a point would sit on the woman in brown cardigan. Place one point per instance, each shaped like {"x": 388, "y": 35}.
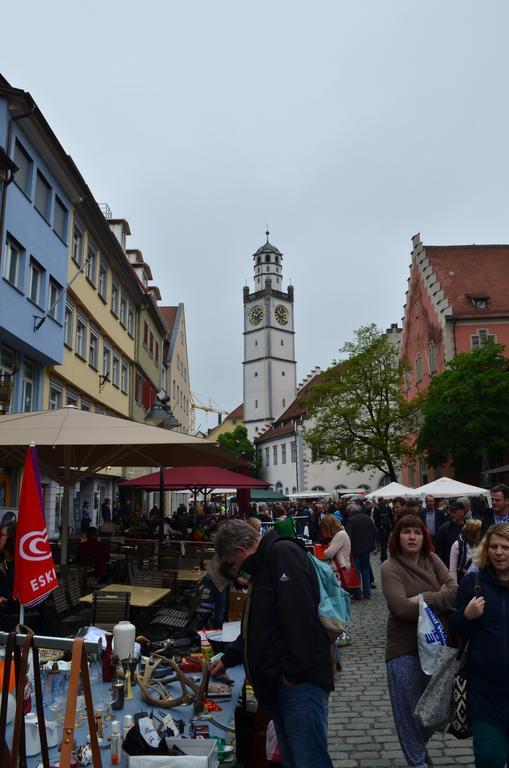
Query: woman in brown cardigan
{"x": 412, "y": 569}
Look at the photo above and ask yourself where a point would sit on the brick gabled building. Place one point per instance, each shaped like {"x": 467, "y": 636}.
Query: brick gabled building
{"x": 457, "y": 297}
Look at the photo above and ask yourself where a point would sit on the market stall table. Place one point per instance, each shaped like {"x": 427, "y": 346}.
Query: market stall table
{"x": 141, "y": 597}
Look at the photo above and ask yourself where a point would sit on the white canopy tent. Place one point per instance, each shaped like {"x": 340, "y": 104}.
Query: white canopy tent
{"x": 392, "y": 490}
{"x": 446, "y": 488}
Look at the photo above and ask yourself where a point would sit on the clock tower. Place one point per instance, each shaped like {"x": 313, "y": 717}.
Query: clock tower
{"x": 270, "y": 382}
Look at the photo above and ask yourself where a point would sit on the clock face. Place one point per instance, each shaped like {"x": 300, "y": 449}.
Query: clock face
{"x": 256, "y": 315}
{"x": 281, "y": 314}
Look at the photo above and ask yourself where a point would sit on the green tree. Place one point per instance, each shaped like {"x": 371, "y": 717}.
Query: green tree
{"x": 360, "y": 416}
{"x": 238, "y": 443}
{"x": 466, "y": 410}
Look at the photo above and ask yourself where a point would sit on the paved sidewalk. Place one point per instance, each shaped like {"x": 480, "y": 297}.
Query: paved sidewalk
{"x": 361, "y": 728}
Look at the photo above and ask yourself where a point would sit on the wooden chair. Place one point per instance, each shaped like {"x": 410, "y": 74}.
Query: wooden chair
{"x": 108, "y": 608}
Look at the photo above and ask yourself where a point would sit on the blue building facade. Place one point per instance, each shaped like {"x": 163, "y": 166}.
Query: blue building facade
{"x": 35, "y": 214}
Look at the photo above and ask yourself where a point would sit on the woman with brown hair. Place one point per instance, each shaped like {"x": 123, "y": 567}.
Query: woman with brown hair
{"x": 484, "y": 620}
{"x": 411, "y": 570}
{"x": 339, "y": 543}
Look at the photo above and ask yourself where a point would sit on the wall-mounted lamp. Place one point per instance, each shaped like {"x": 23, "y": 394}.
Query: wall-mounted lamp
{"x": 103, "y": 378}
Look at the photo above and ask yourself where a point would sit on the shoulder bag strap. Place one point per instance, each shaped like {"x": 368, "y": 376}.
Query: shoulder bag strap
{"x": 18, "y": 739}
{"x": 87, "y": 691}
{"x": 5, "y": 755}
{"x": 70, "y": 709}
{"x": 41, "y": 720}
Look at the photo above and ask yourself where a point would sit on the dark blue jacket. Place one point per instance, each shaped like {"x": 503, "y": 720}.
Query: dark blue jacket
{"x": 488, "y": 665}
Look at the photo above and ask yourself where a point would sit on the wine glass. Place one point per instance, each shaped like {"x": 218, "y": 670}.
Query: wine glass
{"x": 108, "y": 701}
{"x": 80, "y": 707}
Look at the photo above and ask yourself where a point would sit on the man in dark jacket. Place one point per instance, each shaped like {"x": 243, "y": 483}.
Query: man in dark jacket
{"x": 449, "y": 532}
{"x": 285, "y": 649}
{"x": 499, "y": 513}
{"x": 432, "y": 517}
{"x": 361, "y": 531}
{"x": 382, "y": 518}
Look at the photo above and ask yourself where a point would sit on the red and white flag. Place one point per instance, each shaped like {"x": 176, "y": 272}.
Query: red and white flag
{"x": 34, "y": 570}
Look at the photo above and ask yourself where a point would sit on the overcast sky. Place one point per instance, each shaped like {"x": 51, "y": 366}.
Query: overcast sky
{"x": 347, "y": 127}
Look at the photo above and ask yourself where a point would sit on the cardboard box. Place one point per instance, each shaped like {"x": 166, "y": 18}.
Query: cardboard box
{"x": 200, "y": 753}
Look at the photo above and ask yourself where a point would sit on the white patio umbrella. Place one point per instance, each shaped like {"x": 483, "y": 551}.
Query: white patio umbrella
{"x": 392, "y": 490}
{"x": 446, "y": 488}
{"x": 73, "y": 444}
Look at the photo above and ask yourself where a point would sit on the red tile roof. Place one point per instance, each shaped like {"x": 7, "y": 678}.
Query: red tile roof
{"x": 472, "y": 271}
{"x": 237, "y": 413}
{"x": 285, "y": 423}
{"x": 169, "y": 314}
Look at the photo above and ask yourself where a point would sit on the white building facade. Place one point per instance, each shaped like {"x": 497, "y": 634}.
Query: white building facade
{"x": 269, "y": 375}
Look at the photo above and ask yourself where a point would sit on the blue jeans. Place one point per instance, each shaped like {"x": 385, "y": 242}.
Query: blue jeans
{"x": 363, "y": 567}
{"x": 300, "y": 719}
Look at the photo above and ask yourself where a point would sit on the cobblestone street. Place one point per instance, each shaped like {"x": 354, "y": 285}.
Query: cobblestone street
{"x": 361, "y": 728}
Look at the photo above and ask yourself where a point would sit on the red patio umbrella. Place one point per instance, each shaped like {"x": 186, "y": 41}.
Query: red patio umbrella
{"x": 197, "y": 479}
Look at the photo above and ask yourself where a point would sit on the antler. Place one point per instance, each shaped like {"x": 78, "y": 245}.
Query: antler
{"x": 191, "y": 692}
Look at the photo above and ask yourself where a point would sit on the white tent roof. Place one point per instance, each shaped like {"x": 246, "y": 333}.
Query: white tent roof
{"x": 390, "y": 491}
{"x": 447, "y": 488}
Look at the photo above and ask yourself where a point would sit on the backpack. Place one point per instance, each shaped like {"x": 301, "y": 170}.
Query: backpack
{"x": 334, "y": 605}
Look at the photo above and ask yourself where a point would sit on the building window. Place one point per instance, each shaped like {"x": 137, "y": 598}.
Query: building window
{"x": 283, "y": 373}
{"x": 432, "y": 352}
{"x": 174, "y": 389}
{"x": 293, "y": 451}
{"x": 106, "y": 359}
{"x": 130, "y": 321}
{"x": 81, "y": 337}
{"x": 13, "y": 263}
{"x": 60, "y": 216}
{"x": 284, "y": 402}
{"x": 256, "y": 403}
{"x": 68, "y": 325}
{"x": 156, "y": 352}
{"x": 86, "y": 404}
{"x": 115, "y": 371}
{"x": 481, "y": 338}
{"x": 35, "y": 282}
{"x": 124, "y": 377}
{"x": 42, "y": 195}
{"x": 123, "y": 311}
{"x": 138, "y": 388}
{"x": 274, "y": 454}
{"x": 77, "y": 243}
{"x": 93, "y": 349}
{"x": 72, "y": 397}
{"x": 55, "y": 394}
{"x": 28, "y": 385}
{"x": 92, "y": 262}
{"x": 102, "y": 286}
{"x": 418, "y": 368}
{"x": 267, "y": 457}
{"x": 283, "y": 453}
{"x": 151, "y": 343}
{"x": 406, "y": 381}
{"x": 55, "y": 294}
{"x": 145, "y": 333}
{"x": 23, "y": 177}
{"x": 115, "y": 294}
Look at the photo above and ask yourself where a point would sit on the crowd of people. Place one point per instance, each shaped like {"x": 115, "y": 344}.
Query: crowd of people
{"x": 440, "y": 549}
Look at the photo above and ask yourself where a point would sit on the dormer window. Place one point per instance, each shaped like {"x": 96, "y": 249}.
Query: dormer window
{"x": 479, "y": 301}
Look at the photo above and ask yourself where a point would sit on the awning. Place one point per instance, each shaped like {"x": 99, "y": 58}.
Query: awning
{"x": 181, "y": 478}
